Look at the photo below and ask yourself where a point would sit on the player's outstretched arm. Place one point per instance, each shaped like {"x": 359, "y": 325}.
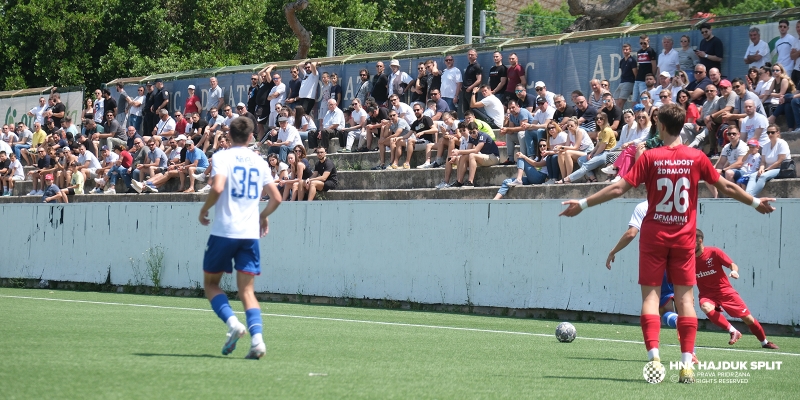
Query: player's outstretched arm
{"x": 733, "y": 191}
{"x": 574, "y": 207}
{"x": 624, "y": 241}
{"x": 274, "y": 201}
{"x": 213, "y": 195}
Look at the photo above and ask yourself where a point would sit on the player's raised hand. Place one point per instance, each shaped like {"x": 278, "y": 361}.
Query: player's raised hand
{"x": 264, "y": 224}
{"x": 573, "y": 208}
{"x": 203, "y": 217}
{"x": 734, "y": 275}
{"x": 765, "y": 207}
{"x": 609, "y": 260}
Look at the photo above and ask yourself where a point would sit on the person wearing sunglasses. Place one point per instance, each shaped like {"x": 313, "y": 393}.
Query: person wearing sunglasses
{"x": 698, "y": 87}
{"x": 710, "y": 49}
{"x": 324, "y": 177}
{"x": 646, "y": 64}
{"x": 627, "y": 76}
{"x": 696, "y": 138}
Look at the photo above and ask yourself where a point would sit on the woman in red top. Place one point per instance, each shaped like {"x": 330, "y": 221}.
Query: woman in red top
{"x": 684, "y": 100}
{"x": 120, "y": 169}
{"x": 193, "y": 104}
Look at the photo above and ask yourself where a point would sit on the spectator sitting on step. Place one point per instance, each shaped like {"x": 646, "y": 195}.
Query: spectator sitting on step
{"x": 88, "y": 164}
{"x": 606, "y": 139}
{"x": 119, "y": 169}
{"x": 481, "y": 151}
{"x": 324, "y": 177}
{"x": 291, "y": 183}
{"x": 378, "y": 124}
{"x": 332, "y": 122}
{"x": 304, "y": 123}
{"x": 288, "y": 137}
{"x": 109, "y": 160}
{"x": 469, "y": 117}
{"x": 750, "y": 165}
{"x": 279, "y": 170}
{"x": 15, "y": 173}
{"x": 165, "y": 126}
{"x": 75, "y": 183}
{"x": 586, "y": 116}
{"x": 357, "y": 127}
{"x": 44, "y": 165}
{"x": 544, "y": 113}
{"x": 635, "y": 131}
{"x": 520, "y": 124}
{"x": 422, "y": 132}
{"x": 527, "y": 166}
{"x": 155, "y": 162}
{"x": 577, "y": 146}
{"x": 449, "y": 139}
{"x": 452, "y": 161}
{"x": 489, "y": 109}
{"x": 772, "y": 155}
{"x": 395, "y": 129}
{"x": 52, "y": 194}
{"x": 223, "y": 143}
{"x": 302, "y": 170}
{"x": 430, "y": 109}
{"x": 63, "y": 158}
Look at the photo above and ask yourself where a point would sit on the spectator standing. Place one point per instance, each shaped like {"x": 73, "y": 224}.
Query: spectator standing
{"x": 451, "y": 83}
{"x": 687, "y": 58}
{"x": 148, "y": 117}
{"x": 58, "y": 110}
{"x": 497, "y": 77}
{"x": 365, "y": 88}
{"x": 38, "y": 112}
{"x": 122, "y": 105}
{"x": 758, "y": 50}
{"x": 515, "y": 75}
{"x": 711, "y": 49}
{"x": 215, "y": 98}
{"x": 336, "y": 89}
{"x": 135, "y": 108}
{"x": 263, "y": 109}
{"x": 277, "y": 96}
{"x": 98, "y": 106}
{"x": 627, "y": 76}
{"x": 646, "y": 59}
{"x": 794, "y": 55}
{"x": 433, "y": 78}
{"x": 668, "y": 60}
{"x": 398, "y": 80}
{"x": 193, "y": 104}
{"x": 160, "y": 98}
{"x": 473, "y": 75}
{"x": 308, "y": 87}
{"x": 380, "y": 85}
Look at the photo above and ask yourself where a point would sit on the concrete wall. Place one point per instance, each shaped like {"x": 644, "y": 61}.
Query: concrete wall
{"x": 514, "y": 253}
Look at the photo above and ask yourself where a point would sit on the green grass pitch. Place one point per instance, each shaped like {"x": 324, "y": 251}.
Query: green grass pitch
{"x": 99, "y": 345}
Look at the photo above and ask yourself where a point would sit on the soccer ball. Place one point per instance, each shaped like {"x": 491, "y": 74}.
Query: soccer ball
{"x": 565, "y": 332}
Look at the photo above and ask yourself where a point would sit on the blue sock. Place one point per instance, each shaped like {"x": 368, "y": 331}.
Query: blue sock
{"x": 220, "y": 306}
{"x": 670, "y": 319}
{"x": 253, "y": 320}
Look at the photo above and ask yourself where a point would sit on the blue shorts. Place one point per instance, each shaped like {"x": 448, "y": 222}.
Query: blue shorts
{"x": 667, "y": 292}
{"x": 199, "y": 170}
{"x": 221, "y": 251}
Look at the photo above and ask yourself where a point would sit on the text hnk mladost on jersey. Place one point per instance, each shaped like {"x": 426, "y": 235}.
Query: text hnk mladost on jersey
{"x": 673, "y": 167}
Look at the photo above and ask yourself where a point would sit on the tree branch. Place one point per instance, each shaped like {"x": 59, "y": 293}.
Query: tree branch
{"x": 600, "y": 15}
{"x": 303, "y": 36}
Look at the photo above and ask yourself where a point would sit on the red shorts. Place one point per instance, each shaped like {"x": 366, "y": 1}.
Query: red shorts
{"x": 730, "y": 302}
{"x": 679, "y": 264}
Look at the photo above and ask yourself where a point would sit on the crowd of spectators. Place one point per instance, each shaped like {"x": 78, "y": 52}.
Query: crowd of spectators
{"x": 465, "y": 115}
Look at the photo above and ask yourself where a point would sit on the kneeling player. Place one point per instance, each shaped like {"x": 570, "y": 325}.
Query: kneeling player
{"x": 716, "y": 292}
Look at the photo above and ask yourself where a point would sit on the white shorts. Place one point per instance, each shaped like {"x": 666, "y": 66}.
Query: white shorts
{"x": 91, "y": 173}
{"x": 17, "y": 178}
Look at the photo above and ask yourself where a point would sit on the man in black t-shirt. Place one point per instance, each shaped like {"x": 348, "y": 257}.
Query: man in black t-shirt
{"x": 148, "y": 117}
{"x": 525, "y": 99}
{"x": 710, "y": 50}
{"x": 380, "y": 85}
{"x": 422, "y": 131}
{"x": 198, "y": 132}
{"x": 646, "y": 63}
{"x": 613, "y": 112}
{"x": 563, "y": 111}
{"x": 324, "y": 177}
{"x": 473, "y": 75}
{"x": 375, "y": 123}
{"x": 109, "y": 104}
{"x": 498, "y": 77}
{"x": 58, "y": 111}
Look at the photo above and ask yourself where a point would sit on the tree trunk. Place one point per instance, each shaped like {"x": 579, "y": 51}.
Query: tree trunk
{"x": 597, "y": 16}
{"x": 303, "y": 36}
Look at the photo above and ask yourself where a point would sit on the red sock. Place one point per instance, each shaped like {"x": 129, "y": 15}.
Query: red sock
{"x": 757, "y": 330}
{"x": 718, "y": 319}
{"x": 651, "y": 328}
{"x": 687, "y": 329}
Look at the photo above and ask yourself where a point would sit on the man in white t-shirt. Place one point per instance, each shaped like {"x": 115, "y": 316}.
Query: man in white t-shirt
{"x": 215, "y": 97}
{"x": 229, "y": 117}
{"x": 240, "y": 176}
{"x": 451, "y": 82}
{"x": 288, "y": 138}
{"x": 356, "y": 130}
{"x": 165, "y": 126}
{"x": 99, "y": 106}
{"x": 404, "y": 111}
{"x": 307, "y": 96}
{"x": 754, "y": 125}
{"x": 668, "y": 59}
{"x": 136, "y": 105}
{"x": 757, "y": 51}
{"x": 489, "y": 109}
{"x": 398, "y": 80}
{"x": 38, "y": 111}
{"x": 277, "y": 95}
{"x": 87, "y": 163}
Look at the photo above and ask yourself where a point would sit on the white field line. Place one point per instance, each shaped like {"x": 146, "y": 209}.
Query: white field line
{"x": 453, "y": 328}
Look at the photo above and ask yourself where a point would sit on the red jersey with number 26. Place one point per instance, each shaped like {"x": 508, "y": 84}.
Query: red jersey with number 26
{"x": 671, "y": 175}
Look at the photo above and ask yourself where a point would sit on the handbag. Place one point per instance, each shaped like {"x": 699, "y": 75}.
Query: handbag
{"x": 787, "y": 170}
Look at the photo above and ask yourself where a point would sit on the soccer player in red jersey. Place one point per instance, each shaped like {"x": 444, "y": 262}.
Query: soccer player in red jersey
{"x": 671, "y": 174}
{"x": 716, "y": 292}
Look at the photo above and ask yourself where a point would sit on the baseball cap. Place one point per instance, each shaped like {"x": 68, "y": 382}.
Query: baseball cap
{"x": 149, "y": 83}
{"x": 540, "y": 100}
{"x": 191, "y": 87}
{"x": 48, "y": 177}
{"x": 666, "y": 74}
{"x": 638, "y": 107}
{"x": 394, "y": 63}
{"x": 724, "y": 83}
{"x": 752, "y": 142}
{"x": 283, "y": 119}
{"x": 181, "y": 137}
{"x": 240, "y": 105}
{"x": 159, "y": 80}
{"x": 539, "y": 84}
{"x": 104, "y": 148}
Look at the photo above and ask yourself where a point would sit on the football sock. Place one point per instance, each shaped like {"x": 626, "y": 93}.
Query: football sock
{"x": 686, "y": 358}
{"x": 653, "y": 353}
{"x": 687, "y": 328}
{"x": 757, "y": 330}
{"x": 719, "y": 320}
{"x": 221, "y": 306}
{"x": 651, "y": 327}
{"x": 254, "y": 324}
{"x": 670, "y": 319}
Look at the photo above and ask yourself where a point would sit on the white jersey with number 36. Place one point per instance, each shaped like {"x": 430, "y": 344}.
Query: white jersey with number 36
{"x": 236, "y": 211}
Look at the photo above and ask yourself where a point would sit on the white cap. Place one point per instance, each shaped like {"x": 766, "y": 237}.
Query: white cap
{"x": 539, "y": 84}
{"x": 191, "y": 87}
{"x": 666, "y": 74}
{"x": 241, "y": 105}
{"x": 181, "y": 137}
{"x": 394, "y": 63}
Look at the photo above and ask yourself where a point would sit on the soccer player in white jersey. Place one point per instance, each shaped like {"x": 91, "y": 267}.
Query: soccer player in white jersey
{"x": 241, "y": 176}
